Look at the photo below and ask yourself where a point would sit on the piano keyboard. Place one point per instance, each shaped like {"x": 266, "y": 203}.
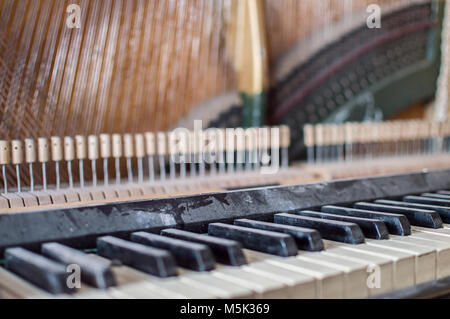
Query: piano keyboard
{"x": 342, "y": 239}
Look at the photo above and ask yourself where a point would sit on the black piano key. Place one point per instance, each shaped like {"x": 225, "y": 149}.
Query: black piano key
{"x": 372, "y": 228}
{"x": 150, "y": 260}
{"x": 443, "y": 211}
{"x": 225, "y": 251}
{"x": 306, "y": 239}
{"x": 349, "y": 233}
{"x": 436, "y": 195}
{"x": 94, "y": 272}
{"x": 396, "y": 224}
{"x": 427, "y": 200}
{"x": 416, "y": 216}
{"x": 444, "y": 192}
{"x": 40, "y": 271}
{"x": 193, "y": 256}
{"x": 256, "y": 239}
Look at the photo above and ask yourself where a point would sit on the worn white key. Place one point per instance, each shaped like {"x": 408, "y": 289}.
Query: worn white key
{"x": 443, "y": 231}
{"x": 442, "y": 250}
{"x": 329, "y": 282}
{"x": 300, "y": 286}
{"x": 425, "y": 258}
{"x": 93, "y": 294}
{"x": 372, "y": 263}
{"x": 216, "y": 286}
{"x": 355, "y": 278}
{"x": 404, "y": 263}
{"x": 263, "y": 287}
{"x": 169, "y": 287}
{"x": 18, "y": 287}
{"x": 140, "y": 290}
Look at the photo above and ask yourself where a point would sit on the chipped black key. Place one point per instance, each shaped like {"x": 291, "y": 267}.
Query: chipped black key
{"x": 344, "y": 232}
{"x": 193, "y": 256}
{"x": 372, "y": 228}
{"x": 434, "y": 195}
{"x": 416, "y": 216}
{"x": 306, "y": 239}
{"x": 94, "y": 272}
{"x": 40, "y": 271}
{"x": 396, "y": 224}
{"x": 150, "y": 260}
{"x": 225, "y": 251}
{"x": 256, "y": 239}
{"x": 443, "y": 211}
{"x": 427, "y": 200}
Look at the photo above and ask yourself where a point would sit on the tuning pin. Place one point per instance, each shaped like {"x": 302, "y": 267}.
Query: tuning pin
{"x": 230, "y": 139}
{"x": 162, "y": 152}
{"x": 17, "y": 159}
{"x": 4, "y": 160}
{"x": 129, "y": 153}
{"x": 30, "y": 158}
{"x": 239, "y": 134}
{"x": 193, "y": 157}
{"x": 56, "y": 157}
{"x": 93, "y": 156}
{"x": 172, "y": 139}
{"x": 264, "y": 141}
{"x": 308, "y": 140}
{"x": 105, "y": 153}
{"x": 183, "y": 140}
{"x": 348, "y": 132}
{"x": 221, "y": 149}
{"x": 319, "y": 138}
{"x": 117, "y": 154}
{"x": 150, "y": 148}
{"x": 80, "y": 144}
{"x": 445, "y": 134}
{"x": 340, "y": 142}
{"x": 434, "y": 134}
{"x": 250, "y": 146}
{"x": 211, "y": 150}
{"x": 43, "y": 158}
{"x": 285, "y": 142}
{"x": 199, "y": 148}
{"x": 69, "y": 156}
{"x": 140, "y": 153}
{"x": 275, "y": 147}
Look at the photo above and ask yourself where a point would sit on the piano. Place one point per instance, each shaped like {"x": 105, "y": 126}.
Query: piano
{"x": 386, "y": 236}
{"x": 224, "y": 149}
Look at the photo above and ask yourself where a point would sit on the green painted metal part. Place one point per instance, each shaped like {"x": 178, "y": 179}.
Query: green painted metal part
{"x": 407, "y": 86}
{"x": 254, "y": 109}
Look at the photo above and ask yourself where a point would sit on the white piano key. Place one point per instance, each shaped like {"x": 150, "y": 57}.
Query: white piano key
{"x": 263, "y": 287}
{"x": 329, "y": 281}
{"x": 386, "y": 265}
{"x": 216, "y": 286}
{"x": 140, "y": 290}
{"x": 442, "y": 250}
{"x": 93, "y": 294}
{"x": 18, "y": 287}
{"x": 355, "y": 278}
{"x": 168, "y": 287}
{"x": 425, "y": 260}
{"x": 443, "y": 231}
{"x": 404, "y": 263}
{"x": 300, "y": 286}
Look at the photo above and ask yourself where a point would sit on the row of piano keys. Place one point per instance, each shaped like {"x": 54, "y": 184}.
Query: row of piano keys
{"x": 354, "y": 251}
